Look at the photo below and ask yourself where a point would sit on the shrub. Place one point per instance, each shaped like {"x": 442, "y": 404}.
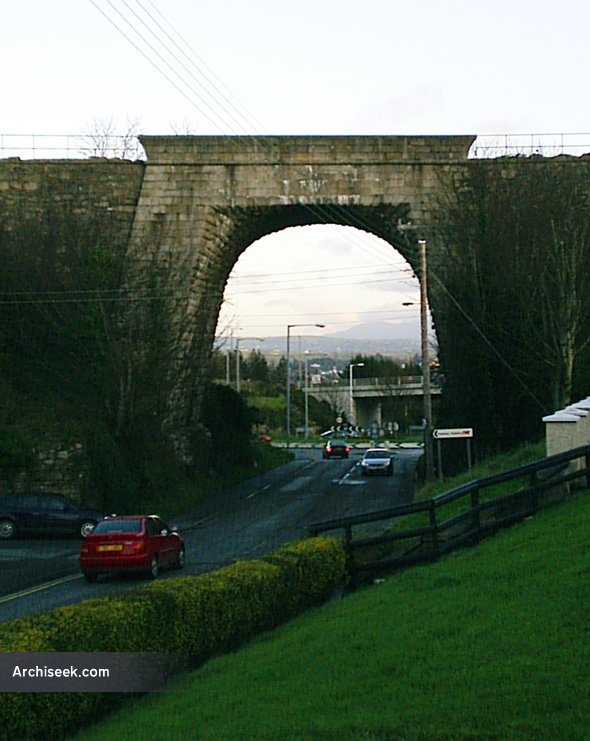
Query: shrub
{"x": 211, "y": 613}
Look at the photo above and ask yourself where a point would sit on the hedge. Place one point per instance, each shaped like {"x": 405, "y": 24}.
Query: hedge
{"x": 212, "y": 613}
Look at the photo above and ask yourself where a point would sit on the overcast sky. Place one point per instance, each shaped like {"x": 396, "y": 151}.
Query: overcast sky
{"x": 305, "y": 67}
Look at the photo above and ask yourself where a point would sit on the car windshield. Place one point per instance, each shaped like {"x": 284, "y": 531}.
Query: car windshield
{"x": 376, "y": 454}
{"x": 117, "y": 526}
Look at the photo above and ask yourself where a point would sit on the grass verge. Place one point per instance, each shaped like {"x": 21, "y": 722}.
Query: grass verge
{"x": 489, "y": 643}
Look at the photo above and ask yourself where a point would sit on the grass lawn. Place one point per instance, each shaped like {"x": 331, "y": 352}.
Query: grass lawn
{"x": 488, "y": 643}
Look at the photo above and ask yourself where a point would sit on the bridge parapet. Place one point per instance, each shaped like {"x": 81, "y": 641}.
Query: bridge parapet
{"x": 392, "y": 386}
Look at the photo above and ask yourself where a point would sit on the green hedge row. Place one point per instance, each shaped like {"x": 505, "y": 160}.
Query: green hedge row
{"x": 195, "y": 617}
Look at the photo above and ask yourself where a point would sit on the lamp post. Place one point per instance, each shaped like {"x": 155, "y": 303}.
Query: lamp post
{"x": 426, "y": 387}
{"x": 306, "y": 391}
{"x": 238, "y": 340}
{"x": 350, "y": 367}
{"x": 289, "y": 328}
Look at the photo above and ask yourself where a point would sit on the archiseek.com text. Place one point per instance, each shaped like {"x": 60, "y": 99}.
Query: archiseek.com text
{"x": 49, "y": 672}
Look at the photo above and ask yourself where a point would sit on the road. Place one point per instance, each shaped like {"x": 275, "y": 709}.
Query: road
{"x": 249, "y": 520}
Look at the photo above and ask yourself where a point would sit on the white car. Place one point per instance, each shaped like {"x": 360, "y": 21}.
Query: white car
{"x": 377, "y": 460}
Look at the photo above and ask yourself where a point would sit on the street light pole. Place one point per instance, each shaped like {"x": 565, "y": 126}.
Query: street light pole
{"x": 351, "y": 397}
{"x": 238, "y": 340}
{"x": 306, "y": 390}
{"x": 289, "y": 328}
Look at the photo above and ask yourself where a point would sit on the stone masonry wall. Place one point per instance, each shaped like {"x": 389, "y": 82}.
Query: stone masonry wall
{"x": 199, "y": 202}
{"x": 28, "y": 186}
{"x": 204, "y": 200}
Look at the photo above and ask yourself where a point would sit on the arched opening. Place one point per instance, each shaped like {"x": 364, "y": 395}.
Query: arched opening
{"x": 350, "y": 280}
{"x": 358, "y": 286}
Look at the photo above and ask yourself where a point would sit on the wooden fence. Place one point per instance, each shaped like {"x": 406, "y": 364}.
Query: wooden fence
{"x": 384, "y": 540}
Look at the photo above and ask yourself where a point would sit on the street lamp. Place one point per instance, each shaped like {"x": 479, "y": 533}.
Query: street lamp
{"x": 289, "y": 328}
{"x": 306, "y": 391}
{"x": 426, "y": 388}
{"x": 350, "y": 367}
{"x": 238, "y": 340}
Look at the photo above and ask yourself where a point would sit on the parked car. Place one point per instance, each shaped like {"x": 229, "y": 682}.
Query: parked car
{"x": 377, "y": 460}
{"x": 134, "y": 543}
{"x": 336, "y": 449}
{"x": 40, "y": 513}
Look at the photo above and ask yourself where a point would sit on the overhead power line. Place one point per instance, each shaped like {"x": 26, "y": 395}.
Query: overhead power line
{"x": 324, "y": 213}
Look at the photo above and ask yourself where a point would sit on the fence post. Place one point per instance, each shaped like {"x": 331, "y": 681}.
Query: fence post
{"x": 433, "y": 528}
{"x": 534, "y": 498}
{"x": 349, "y": 563}
{"x": 475, "y": 520}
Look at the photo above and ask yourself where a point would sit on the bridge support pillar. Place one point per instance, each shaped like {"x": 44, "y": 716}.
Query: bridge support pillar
{"x": 368, "y": 412}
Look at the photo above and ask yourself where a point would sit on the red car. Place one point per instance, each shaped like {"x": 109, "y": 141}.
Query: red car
{"x": 135, "y": 543}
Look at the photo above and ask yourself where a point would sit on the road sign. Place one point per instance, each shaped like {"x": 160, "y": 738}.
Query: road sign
{"x": 453, "y": 432}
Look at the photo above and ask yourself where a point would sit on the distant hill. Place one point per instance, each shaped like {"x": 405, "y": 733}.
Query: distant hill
{"x": 379, "y": 331}
{"x": 368, "y": 339}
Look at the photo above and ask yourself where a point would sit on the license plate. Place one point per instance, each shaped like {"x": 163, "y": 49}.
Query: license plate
{"x": 103, "y": 548}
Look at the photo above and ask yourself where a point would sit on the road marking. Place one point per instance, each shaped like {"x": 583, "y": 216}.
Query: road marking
{"x": 39, "y": 588}
{"x": 297, "y": 483}
{"x": 345, "y": 481}
{"x": 258, "y": 491}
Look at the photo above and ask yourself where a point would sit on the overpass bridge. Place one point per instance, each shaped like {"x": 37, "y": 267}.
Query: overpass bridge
{"x": 363, "y": 400}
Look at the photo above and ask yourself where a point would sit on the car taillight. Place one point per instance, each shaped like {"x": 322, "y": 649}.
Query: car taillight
{"x": 347, "y": 449}
{"x": 136, "y": 545}
{"x": 329, "y": 448}
{"x": 85, "y": 549}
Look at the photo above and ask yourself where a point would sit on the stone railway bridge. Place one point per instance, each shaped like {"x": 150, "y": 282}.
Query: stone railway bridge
{"x": 198, "y": 202}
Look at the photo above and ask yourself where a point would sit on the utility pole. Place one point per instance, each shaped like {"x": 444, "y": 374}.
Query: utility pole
{"x": 289, "y": 328}
{"x": 426, "y": 386}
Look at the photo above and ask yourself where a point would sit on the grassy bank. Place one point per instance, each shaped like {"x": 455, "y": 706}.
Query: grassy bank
{"x": 488, "y": 467}
{"x": 490, "y": 643}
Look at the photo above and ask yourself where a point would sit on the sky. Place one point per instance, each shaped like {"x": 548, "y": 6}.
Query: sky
{"x": 381, "y": 67}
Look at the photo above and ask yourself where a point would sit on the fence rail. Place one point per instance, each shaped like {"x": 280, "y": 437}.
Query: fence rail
{"x": 384, "y": 382}
{"x": 423, "y": 531}
{"x": 82, "y": 146}
{"x": 490, "y": 146}
{"x": 70, "y": 146}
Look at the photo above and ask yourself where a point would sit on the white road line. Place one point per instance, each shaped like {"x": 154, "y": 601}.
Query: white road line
{"x": 39, "y": 588}
{"x": 297, "y": 483}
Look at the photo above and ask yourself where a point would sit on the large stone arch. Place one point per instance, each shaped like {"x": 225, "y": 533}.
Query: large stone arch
{"x": 204, "y": 200}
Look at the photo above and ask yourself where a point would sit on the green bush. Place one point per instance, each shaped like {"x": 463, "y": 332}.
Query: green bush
{"x": 210, "y": 613}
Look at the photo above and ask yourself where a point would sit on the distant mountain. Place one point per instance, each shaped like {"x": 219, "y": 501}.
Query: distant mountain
{"x": 379, "y": 331}
{"x": 369, "y": 339}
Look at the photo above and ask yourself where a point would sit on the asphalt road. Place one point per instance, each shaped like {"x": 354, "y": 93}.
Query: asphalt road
{"x": 251, "y": 519}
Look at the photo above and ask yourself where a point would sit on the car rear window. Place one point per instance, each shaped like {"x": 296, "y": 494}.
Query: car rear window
{"x": 117, "y": 526}
{"x": 376, "y": 454}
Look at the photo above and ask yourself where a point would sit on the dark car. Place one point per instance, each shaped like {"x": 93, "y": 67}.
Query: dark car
{"x": 40, "y": 513}
{"x": 336, "y": 449}
{"x": 135, "y": 543}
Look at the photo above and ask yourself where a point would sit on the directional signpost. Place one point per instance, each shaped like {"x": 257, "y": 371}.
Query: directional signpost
{"x": 453, "y": 433}
{"x": 456, "y": 432}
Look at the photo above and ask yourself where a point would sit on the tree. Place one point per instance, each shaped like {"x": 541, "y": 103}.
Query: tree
{"x": 255, "y": 367}
{"x": 64, "y": 344}
{"x": 278, "y": 374}
{"x": 105, "y": 140}
{"x": 377, "y": 366}
{"x": 514, "y": 320}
